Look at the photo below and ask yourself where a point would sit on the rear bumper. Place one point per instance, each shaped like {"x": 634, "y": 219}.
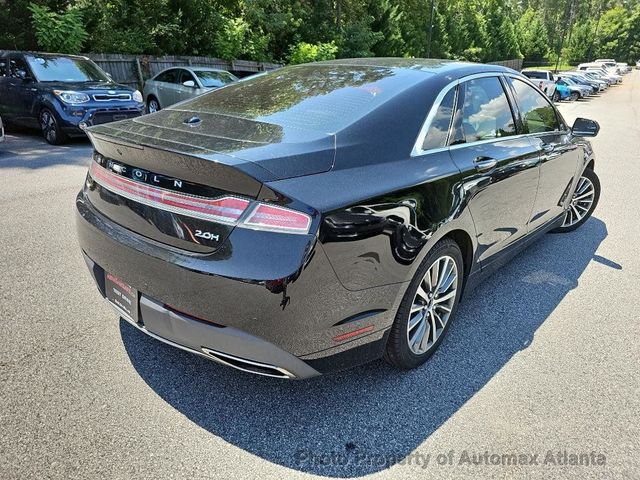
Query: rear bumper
{"x": 226, "y": 345}
{"x": 261, "y": 302}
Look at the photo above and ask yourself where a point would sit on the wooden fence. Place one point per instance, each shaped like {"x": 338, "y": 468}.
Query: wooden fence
{"x": 133, "y": 70}
{"x": 515, "y": 64}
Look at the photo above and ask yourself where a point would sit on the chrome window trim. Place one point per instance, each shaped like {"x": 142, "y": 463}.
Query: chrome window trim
{"x": 417, "y": 147}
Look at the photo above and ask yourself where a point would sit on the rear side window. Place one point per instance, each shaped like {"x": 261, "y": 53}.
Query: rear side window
{"x": 535, "y": 75}
{"x": 486, "y": 113}
{"x": 537, "y": 113}
{"x": 16, "y": 65}
{"x": 170, "y": 76}
{"x": 439, "y": 129}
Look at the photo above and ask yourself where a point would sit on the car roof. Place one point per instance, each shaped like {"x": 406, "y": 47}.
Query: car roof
{"x": 6, "y": 53}
{"x": 433, "y": 66}
{"x": 191, "y": 68}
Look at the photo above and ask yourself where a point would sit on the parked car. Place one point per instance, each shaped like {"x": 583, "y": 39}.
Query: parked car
{"x": 598, "y": 85}
{"x": 231, "y": 234}
{"x": 61, "y": 94}
{"x": 1, "y": 131}
{"x": 599, "y": 69}
{"x": 609, "y": 65}
{"x": 605, "y": 82}
{"x": 623, "y": 67}
{"x": 177, "y": 84}
{"x": 576, "y": 91}
{"x": 544, "y": 80}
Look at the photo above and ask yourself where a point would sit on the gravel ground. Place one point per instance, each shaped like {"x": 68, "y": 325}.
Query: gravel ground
{"x": 544, "y": 358}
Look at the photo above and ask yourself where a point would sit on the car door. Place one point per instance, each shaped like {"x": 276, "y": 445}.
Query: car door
{"x": 499, "y": 165}
{"x": 167, "y": 84}
{"x": 182, "y": 91}
{"x": 559, "y": 156}
{"x": 20, "y": 91}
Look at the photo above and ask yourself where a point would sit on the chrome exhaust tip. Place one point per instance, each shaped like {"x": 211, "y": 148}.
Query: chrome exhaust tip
{"x": 245, "y": 365}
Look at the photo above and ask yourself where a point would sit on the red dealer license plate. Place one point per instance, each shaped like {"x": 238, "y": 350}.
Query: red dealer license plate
{"x": 122, "y": 295}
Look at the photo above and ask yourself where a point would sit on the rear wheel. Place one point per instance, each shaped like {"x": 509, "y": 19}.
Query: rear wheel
{"x": 50, "y": 128}
{"x": 574, "y": 96}
{"x": 427, "y": 307}
{"x": 153, "y": 105}
{"x": 583, "y": 203}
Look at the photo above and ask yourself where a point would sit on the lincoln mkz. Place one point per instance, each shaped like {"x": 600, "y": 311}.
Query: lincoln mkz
{"x": 321, "y": 216}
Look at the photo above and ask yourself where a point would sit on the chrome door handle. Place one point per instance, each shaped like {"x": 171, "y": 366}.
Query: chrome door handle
{"x": 485, "y": 163}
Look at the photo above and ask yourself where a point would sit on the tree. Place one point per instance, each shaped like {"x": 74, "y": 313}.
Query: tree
{"x": 58, "y": 32}
{"x": 532, "y": 36}
{"x": 305, "y": 52}
{"x": 387, "y": 21}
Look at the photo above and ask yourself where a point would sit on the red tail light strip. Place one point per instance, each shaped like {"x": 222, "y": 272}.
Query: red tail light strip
{"x": 354, "y": 333}
{"x": 223, "y": 210}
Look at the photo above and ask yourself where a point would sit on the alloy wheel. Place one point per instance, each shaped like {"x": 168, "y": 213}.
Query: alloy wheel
{"x": 48, "y": 126}
{"x": 581, "y": 202}
{"x": 432, "y": 304}
{"x": 154, "y": 106}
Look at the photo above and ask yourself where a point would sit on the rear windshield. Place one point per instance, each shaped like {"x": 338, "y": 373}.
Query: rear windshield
{"x": 65, "y": 69}
{"x": 535, "y": 74}
{"x": 324, "y": 98}
{"x": 212, "y": 79}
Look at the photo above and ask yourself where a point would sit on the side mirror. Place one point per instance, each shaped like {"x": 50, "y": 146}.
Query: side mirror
{"x": 583, "y": 127}
{"x": 21, "y": 74}
{"x": 189, "y": 83}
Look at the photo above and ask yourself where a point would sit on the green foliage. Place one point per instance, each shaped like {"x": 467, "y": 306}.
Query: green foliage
{"x": 236, "y": 40}
{"x": 303, "y": 30}
{"x": 305, "y": 52}
{"x": 58, "y": 32}
{"x": 532, "y": 36}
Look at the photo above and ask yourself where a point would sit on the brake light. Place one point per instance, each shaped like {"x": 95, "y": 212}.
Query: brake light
{"x": 279, "y": 219}
{"x": 227, "y": 209}
{"x": 224, "y": 209}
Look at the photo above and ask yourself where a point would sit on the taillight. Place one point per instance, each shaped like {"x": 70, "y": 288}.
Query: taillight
{"x": 226, "y": 209}
{"x": 223, "y": 210}
{"x": 279, "y": 219}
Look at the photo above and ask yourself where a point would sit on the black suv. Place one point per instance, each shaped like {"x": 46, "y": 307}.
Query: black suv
{"x": 61, "y": 94}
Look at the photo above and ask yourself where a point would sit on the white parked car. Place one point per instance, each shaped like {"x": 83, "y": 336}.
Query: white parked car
{"x": 623, "y": 67}
{"x": 600, "y": 69}
{"x": 543, "y": 79}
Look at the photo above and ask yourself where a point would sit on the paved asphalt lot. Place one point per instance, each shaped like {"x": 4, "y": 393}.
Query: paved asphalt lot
{"x": 544, "y": 357}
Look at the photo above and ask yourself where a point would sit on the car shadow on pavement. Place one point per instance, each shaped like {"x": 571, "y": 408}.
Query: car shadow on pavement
{"x": 366, "y": 419}
{"x": 27, "y": 149}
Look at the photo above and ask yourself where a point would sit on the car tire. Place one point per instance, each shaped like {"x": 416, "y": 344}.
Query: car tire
{"x": 153, "y": 105}
{"x": 436, "y": 306}
{"x": 574, "y": 96}
{"x": 586, "y": 197}
{"x": 50, "y": 128}
{"x": 555, "y": 97}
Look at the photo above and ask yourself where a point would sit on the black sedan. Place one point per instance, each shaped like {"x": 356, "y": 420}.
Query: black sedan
{"x": 324, "y": 215}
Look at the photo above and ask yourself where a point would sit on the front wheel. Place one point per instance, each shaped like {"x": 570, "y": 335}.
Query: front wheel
{"x": 50, "y": 128}
{"x": 427, "y": 308}
{"x": 583, "y": 203}
{"x": 153, "y": 105}
{"x": 574, "y": 96}
{"x": 556, "y": 96}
